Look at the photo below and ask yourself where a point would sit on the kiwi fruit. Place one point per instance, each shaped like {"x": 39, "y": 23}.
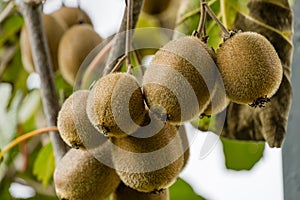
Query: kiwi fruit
{"x": 250, "y": 68}
{"x": 124, "y": 192}
{"x": 185, "y": 145}
{"x": 74, "y": 125}
{"x": 153, "y": 7}
{"x": 54, "y": 32}
{"x": 69, "y": 16}
{"x": 115, "y": 105}
{"x": 78, "y": 175}
{"x": 75, "y": 45}
{"x": 179, "y": 79}
{"x": 150, "y": 159}
{"x": 218, "y": 101}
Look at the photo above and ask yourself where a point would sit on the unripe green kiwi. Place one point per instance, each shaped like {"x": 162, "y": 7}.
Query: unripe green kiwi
{"x": 69, "y": 16}
{"x": 249, "y": 66}
{"x": 78, "y": 175}
{"x": 155, "y": 6}
{"x": 75, "y": 45}
{"x": 115, "y": 105}
{"x": 124, "y": 192}
{"x": 73, "y": 123}
{"x": 179, "y": 79}
{"x": 53, "y": 30}
{"x": 151, "y": 158}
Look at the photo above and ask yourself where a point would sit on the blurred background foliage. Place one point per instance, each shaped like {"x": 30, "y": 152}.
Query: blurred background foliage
{"x": 31, "y": 163}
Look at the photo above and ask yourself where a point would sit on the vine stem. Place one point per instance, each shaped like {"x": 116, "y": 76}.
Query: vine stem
{"x": 24, "y": 137}
{"x": 201, "y": 26}
{"x": 128, "y": 34}
{"x": 32, "y": 13}
{"x": 118, "y": 48}
{"x": 214, "y": 17}
{"x": 118, "y": 64}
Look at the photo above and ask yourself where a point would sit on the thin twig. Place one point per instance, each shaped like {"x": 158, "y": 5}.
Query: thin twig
{"x": 118, "y": 49}
{"x": 213, "y": 16}
{"x": 32, "y": 14}
{"x": 98, "y": 58}
{"x": 201, "y": 26}
{"x": 128, "y": 34}
{"x": 25, "y": 137}
{"x": 118, "y": 64}
{"x": 7, "y": 10}
{"x": 192, "y": 13}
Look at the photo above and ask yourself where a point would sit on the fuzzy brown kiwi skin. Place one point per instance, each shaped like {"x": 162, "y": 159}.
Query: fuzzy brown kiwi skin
{"x": 151, "y": 168}
{"x": 218, "y": 101}
{"x": 73, "y": 123}
{"x": 249, "y": 66}
{"x": 124, "y": 192}
{"x": 74, "y": 48}
{"x": 78, "y": 175}
{"x": 69, "y": 16}
{"x": 54, "y": 32}
{"x": 178, "y": 57}
{"x": 107, "y": 96}
{"x": 185, "y": 145}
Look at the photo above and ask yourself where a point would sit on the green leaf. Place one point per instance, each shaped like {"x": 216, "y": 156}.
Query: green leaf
{"x": 43, "y": 197}
{"x": 188, "y": 17}
{"x": 44, "y": 164}
{"x": 2, "y": 5}
{"x": 182, "y": 190}
{"x": 14, "y": 69}
{"x": 64, "y": 89}
{"x": 242, "y": 155}
{"x": 4, "y": 189}
{"x": 10, "y": 28}
{"x": 229, "y": 9}
{"x": 225, "y": 10}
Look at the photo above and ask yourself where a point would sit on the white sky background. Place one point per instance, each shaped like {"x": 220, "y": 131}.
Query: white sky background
{"x": 209, "y": 177}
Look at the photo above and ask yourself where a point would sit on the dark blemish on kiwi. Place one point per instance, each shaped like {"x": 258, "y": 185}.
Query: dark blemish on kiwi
{"x": 75, "y": 145}
{"x": 102, "y": 129}
{"x": 260, "y": 102}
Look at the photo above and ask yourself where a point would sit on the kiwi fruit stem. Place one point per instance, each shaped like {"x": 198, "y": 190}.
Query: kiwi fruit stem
{"x": 118, "y": 64}
{"x": 211, "y": 13}
{"x": 201, "y": 31}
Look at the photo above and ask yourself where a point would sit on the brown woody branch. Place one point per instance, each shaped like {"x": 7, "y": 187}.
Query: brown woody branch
{"x": 120, "y": 39}
{"x": 32, "y": 13}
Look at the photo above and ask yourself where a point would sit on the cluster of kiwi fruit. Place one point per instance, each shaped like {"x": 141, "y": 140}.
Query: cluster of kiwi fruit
{"x": 184, "y": 80}
{"x": 67, "y": 48}
{"x": 143, "y": 124}
{"x": 148, "y": 146}
{"x": 147, "y": 152}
